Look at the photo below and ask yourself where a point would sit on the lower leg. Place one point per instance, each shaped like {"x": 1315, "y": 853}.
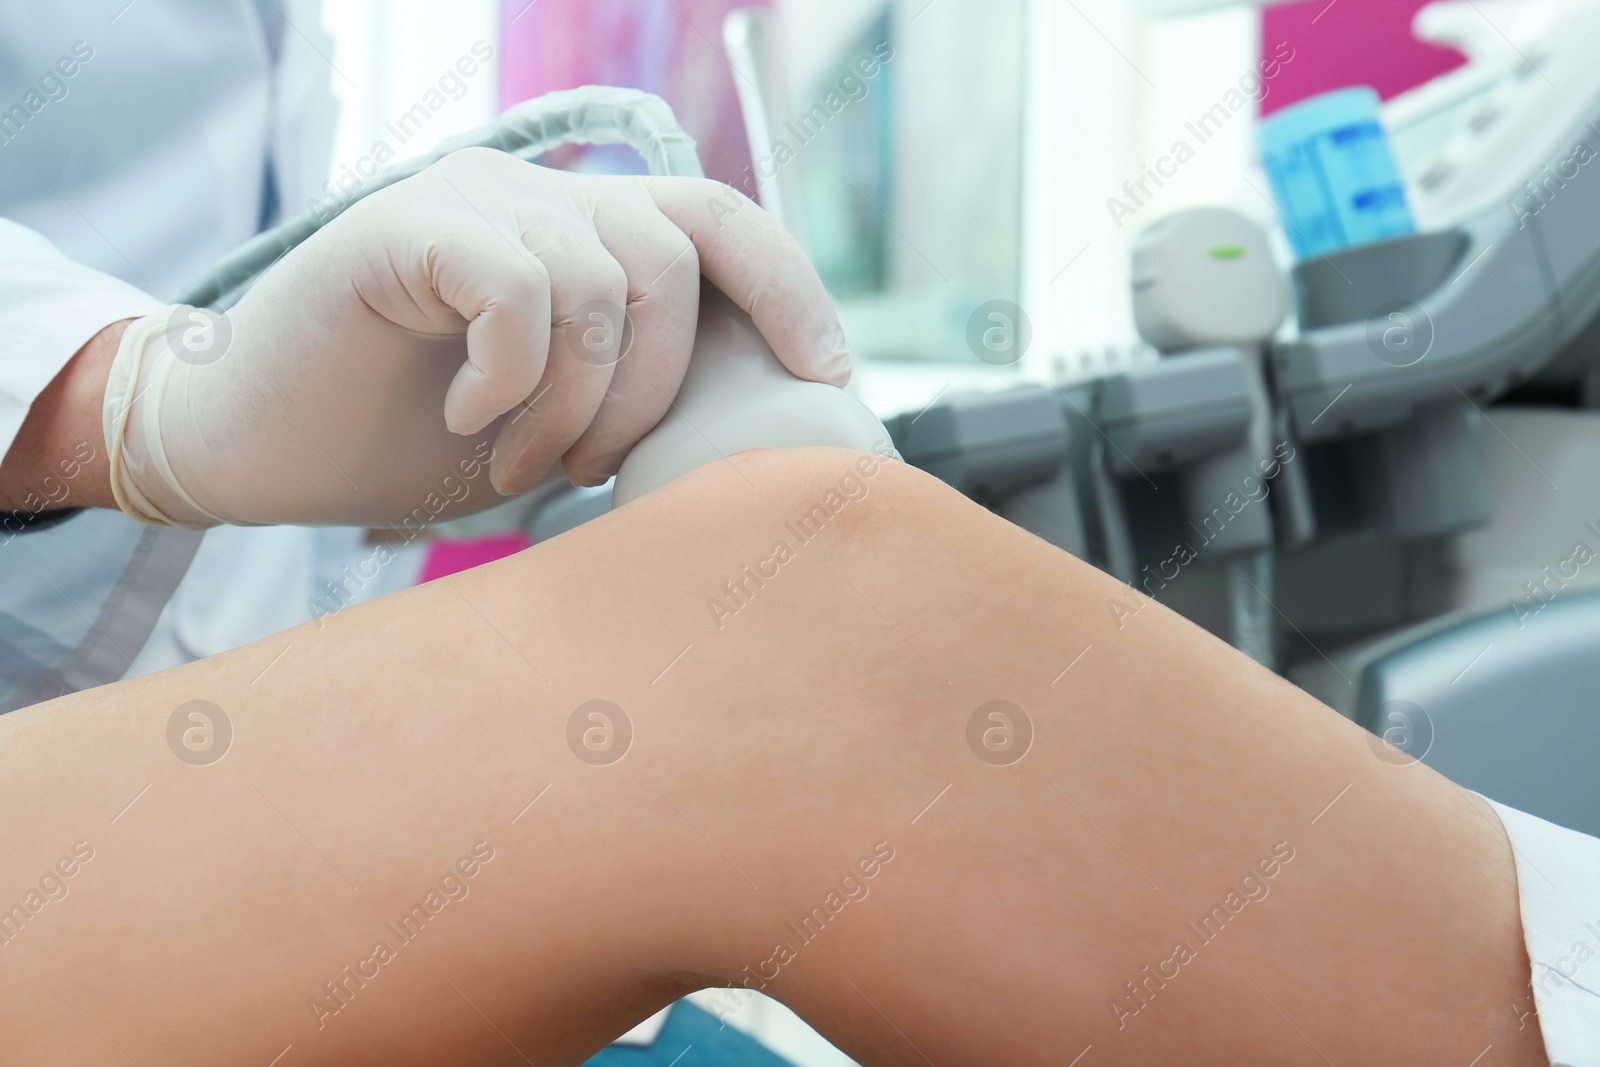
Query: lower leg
{"x": 811, "y": 729}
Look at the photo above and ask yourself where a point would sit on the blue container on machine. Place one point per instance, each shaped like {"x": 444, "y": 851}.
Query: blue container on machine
{"x": 1332, "y": 173}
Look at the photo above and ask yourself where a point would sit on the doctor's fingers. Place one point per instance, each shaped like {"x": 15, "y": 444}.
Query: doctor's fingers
{"x": 662, "y": 312}
{"x": 588, "y": 296}
{"x": 748, "y": 254}
{"x": 504, "y": 293}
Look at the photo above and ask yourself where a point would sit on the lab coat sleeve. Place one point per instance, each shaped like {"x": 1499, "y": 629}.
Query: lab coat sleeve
{"x": 305, "y": 111}
{"x": 49, "y": 308}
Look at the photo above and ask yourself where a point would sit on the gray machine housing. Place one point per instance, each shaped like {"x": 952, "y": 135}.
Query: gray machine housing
{"x": 1384, "y": 390}
{"x": 1463, "y": 316}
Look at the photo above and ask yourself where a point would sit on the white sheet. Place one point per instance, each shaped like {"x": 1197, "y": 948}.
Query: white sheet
{"x": 1558, "y": 881}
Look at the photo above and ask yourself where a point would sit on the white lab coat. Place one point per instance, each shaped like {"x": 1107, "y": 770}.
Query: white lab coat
{"x": 139, "y": 142}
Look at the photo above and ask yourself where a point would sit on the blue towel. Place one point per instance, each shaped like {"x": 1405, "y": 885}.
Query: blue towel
{"x": 692, "y": 1038}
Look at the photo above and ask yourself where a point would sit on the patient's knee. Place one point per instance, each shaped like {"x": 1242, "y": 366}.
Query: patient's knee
{"x": 812, "y": 492}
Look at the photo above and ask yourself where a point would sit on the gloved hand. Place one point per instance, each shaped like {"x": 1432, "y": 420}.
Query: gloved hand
{"x": 367, "y": 373}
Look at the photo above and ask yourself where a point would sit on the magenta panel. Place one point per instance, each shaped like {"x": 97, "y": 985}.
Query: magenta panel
{"x": 1349, "y": 42}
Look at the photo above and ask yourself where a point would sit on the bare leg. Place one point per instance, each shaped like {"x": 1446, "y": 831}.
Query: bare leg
{"x": 779, "y": 753}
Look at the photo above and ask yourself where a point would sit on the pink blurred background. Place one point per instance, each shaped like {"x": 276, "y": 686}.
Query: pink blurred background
{"x": 1350, "y": 42}
{"x": 672, "y": 48}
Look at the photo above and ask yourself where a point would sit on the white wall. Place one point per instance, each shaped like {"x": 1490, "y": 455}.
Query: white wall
{"x": 1109, "y": 91}
{"x": 390, "y": 53}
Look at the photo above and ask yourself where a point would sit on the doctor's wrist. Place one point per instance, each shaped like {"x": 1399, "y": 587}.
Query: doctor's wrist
{"x": 58, "y": 461}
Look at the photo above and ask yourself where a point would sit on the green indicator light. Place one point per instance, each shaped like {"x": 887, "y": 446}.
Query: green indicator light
{"x": 1227, "y": 252}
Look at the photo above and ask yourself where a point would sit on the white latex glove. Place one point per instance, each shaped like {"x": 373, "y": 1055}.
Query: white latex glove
{"x": 367, "y": 373}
